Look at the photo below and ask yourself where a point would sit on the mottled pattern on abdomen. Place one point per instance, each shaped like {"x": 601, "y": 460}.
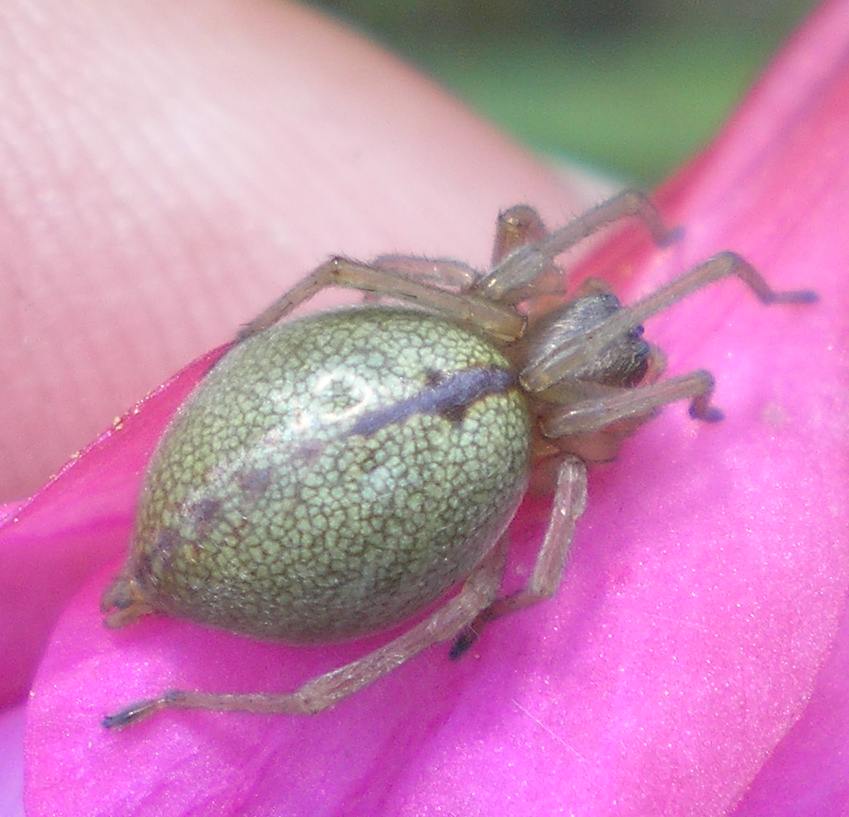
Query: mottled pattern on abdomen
{"x": 321, "y": 484}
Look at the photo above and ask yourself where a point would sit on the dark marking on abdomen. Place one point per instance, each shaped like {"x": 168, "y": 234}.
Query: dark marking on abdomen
{"x": 255, "y": 481}
{"x": 449, "y": 396}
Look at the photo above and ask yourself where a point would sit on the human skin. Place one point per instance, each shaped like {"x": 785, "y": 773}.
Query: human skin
{"x": 167, "y": 169}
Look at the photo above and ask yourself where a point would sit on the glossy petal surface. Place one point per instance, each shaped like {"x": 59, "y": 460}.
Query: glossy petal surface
{"x": 74, "y": 525}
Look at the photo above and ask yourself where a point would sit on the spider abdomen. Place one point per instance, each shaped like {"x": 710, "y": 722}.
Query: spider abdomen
{"x": 331, "y": 476}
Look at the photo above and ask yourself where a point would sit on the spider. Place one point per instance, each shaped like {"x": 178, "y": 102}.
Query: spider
{"x": 334, "y": 476}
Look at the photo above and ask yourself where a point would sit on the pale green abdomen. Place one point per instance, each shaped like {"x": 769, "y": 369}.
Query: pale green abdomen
{"x": 331, "y": 476}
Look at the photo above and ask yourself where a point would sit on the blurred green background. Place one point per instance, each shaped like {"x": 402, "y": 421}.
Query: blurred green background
{"x": 630, "y": 88}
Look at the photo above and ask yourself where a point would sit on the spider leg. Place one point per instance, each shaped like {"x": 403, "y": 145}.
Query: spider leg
{"x": 441, "y": 272}
{"x": 444, "y": 273}
{"x": 477, "y": 593}
{"x": 515, "y": 227}
{"x": 578, "y": 350}
{"x": 500, "y": 321}
{"x": 570, "y": 499}
{"x": 584, "y": 416}
{"x": 517, "y": 276}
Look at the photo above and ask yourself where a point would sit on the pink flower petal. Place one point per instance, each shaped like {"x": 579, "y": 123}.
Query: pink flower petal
{"x": 8, "y": 509}
{"x": 704, "y": 598}
{"x": 806, "y": 773}
{"x": 12, "y": 769}
{"x": 76, "y": 524}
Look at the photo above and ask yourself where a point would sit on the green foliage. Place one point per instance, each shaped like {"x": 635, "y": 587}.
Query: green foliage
{"x": 638, "y": 107}
{"x": 633, "y": 88}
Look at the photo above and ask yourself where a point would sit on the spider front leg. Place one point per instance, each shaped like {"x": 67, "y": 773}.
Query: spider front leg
{"x": 578, "y": 350}
{"x": 585, "y": 416}
{"x": 443, "y": 273}
{"x": 477, "y": 593}
{"x": 521, "y": 274}
{"x": 570, "y": 499}
{"x": 501, "y": 322}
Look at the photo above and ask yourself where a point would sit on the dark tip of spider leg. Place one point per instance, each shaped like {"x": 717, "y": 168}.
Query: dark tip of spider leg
{"x": 672, "y": 235}
{"x": 141, "y": 709}
{"x": 708, "y": 415}
{"x": 462, "y": 643}
{"x": 129, "y": 715}
{"x": 800, "y": 296}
